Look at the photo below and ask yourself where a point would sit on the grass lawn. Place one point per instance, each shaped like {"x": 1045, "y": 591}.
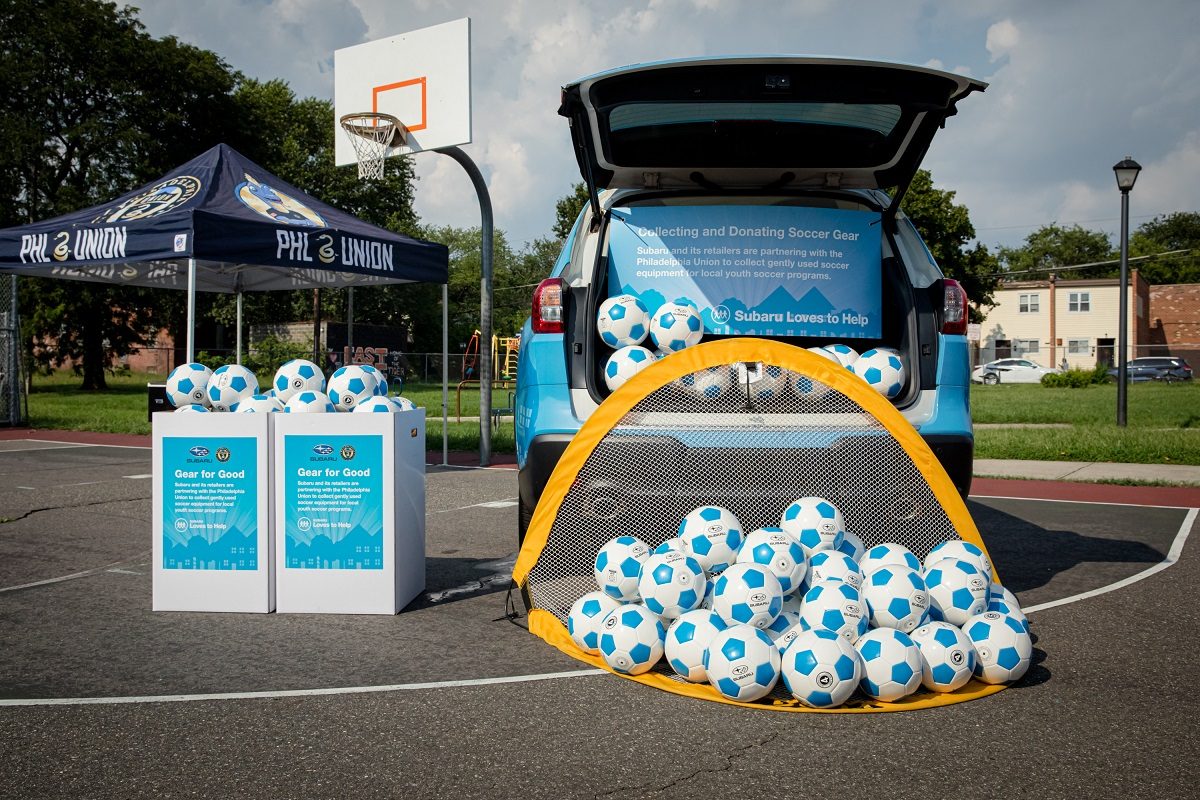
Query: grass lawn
{"x": 1163, "y": 423}
{"x": 58, "y": 402}
{"x": 1164, "y": 419}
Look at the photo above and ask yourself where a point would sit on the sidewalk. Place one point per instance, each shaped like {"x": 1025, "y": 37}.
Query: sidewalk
{"x": 1086, "y": 471}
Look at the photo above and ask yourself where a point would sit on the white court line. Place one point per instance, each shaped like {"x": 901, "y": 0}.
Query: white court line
{"x": 1172, "y": 556}
{"x": 1083, "y": 502}
{"x": 78, "y": 444}
{"x": 40, "y": 449}
{"x": 395, "y": 687}
{"x": 138, "y": 477}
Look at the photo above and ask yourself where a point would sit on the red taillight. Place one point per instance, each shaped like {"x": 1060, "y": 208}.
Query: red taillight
{"x": 548, "y": 306}
{"x": 954, "y": 308}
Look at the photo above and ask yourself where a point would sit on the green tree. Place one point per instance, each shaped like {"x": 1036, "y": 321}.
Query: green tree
{"x": 566, "y": 211}
{"x": 95, "y": 106}
{"x": 1178, "y": 231}
{"x": 946, "y": 228}
{"x": 1052, "y": 246}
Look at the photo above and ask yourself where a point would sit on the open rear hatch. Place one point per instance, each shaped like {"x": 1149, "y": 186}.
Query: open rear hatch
{"x": 758, "y": 123}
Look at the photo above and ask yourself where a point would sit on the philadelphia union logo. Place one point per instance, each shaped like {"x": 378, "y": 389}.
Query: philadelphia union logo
{"x": 269, "y": 202}
{"x": 223, "y": 454}
{"x": 347, "y": 453}
{"x": 158, "y": 199}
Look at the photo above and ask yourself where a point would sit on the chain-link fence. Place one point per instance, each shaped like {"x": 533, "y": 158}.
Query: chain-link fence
{"x": 13, "y": 406}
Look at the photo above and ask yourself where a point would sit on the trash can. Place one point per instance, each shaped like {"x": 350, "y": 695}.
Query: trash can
{"x": 157, "y": 393}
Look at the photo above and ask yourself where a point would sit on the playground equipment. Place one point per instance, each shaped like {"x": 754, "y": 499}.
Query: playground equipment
{"x": 505, "y": 351}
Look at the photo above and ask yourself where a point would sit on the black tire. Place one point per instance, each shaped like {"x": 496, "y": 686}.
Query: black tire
{"x": 524, "y": 517}
{"x": 991, "y": 378}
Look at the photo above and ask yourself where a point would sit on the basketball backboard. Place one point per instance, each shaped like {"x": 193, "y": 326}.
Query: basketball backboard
{"x": 422, "y": 77}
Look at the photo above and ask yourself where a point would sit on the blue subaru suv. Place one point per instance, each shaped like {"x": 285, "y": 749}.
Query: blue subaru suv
{"x": 765, "y": 192}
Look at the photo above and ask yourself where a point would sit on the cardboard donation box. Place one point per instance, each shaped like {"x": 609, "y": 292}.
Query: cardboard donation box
{"x": 212, "y": 546}
{"x": 349, "y": 511}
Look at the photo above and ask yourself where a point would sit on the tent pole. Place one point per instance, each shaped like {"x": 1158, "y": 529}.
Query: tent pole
{"x": 485, "y": 300}
{"x": 239, "y": 328}
{"x": 445, "y": 374}
{"x": 350, "y": 318}
{"x": 191, "y": 311}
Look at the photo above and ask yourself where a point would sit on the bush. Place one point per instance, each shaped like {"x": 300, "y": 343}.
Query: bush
{"x": 268, "y": 355}
{"x": 1076, "y": 378}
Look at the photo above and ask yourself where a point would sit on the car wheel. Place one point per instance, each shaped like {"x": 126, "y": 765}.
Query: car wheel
{"x": 991, "y": 379}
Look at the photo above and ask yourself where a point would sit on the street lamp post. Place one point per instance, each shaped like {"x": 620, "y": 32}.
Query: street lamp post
{"x": 1127, "y": 172}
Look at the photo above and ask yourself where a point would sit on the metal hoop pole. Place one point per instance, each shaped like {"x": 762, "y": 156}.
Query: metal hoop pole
{"x": 485, "y": 299}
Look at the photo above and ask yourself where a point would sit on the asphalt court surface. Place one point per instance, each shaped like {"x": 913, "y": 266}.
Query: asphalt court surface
{"x": 1105, "y": 711}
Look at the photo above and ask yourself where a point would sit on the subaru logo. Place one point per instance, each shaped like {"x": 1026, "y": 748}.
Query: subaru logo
{"x": 198, "y": 451}
{"x": 323, "y": 449}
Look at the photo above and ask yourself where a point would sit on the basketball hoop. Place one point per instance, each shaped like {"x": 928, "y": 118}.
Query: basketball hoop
{"x": 372, "y": 135}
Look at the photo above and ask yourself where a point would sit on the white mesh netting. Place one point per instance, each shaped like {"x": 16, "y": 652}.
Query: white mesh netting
{"x": 716, "y": 438}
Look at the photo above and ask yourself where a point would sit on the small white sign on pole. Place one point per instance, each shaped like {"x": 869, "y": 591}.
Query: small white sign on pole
{"x": 349, "y": 512}
{"x": 212, "y": 546}
{"x": 973, "y": 331}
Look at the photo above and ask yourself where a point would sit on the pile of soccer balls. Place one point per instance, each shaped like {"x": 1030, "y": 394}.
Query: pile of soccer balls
{"x": 803, "y": 602}
{"x": 299, "y": 387}
{"x": 623, "y": 323}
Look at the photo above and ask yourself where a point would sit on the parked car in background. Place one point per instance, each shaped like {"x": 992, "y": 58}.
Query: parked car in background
{"x": 1157, "y": 368}
{"x": 1011, "y": 370}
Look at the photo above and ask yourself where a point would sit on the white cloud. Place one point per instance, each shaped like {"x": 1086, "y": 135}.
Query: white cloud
{"x": 1002, "y": 38}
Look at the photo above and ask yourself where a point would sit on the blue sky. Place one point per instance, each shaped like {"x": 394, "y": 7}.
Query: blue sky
{"x": 1075, "y": 86}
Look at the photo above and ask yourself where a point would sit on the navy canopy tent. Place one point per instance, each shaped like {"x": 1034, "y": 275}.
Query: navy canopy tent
{"x": 219, "y": 223}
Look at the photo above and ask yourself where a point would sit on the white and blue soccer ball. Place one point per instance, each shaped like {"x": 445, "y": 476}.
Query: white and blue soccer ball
{"x": 624, "y": 364}
{"x": 192, "y": 408}
{"x": 351, "y": 385}
{"x": 710, "y": 383}
{"x": 187, "y": 385}
{"x": 852, "y": 545}
{"x": 309, "y": 402}
{"x": 837, "y": 607}
{"x": 821, "y": 669}
{"x": 742, "y": 663}
{"x": 297, "y": 375}
{"x": 834, "y": 565}
{"x": 687, "y": 640}
{"x": 947, "y": 656}
{"x": 1002, "y": 607}
{"x": 748, "y": 594}
{"x": 260, "y": 404}
{"x": 618, "y": 566}
{"x": 896, "y": 597}
{"x": 892, "y": 666}
{"x": 381, "y": 381}
{"x": 403, "y": 403}
{"x": 632, "y": 639}
{"x": 765, "y": 382}
{"x": 784, "y": 640}
{"x": 585, "y": 617}
{"x": 230, "y": 385}
{"x": 793, "y": 601}
{"x": 781, "y": 625}
{"x": 778, "y": 552}
{"x": 713, "y": 535}
{"x": 844, "y": 353}
{"x": 957, "y": 591}
{"x": 675, "y": 326}
{"x": 671, "y": 583}
{"x": 888, "y": 553}
{"x": 1003, "y": 647}
{"x": 378, "y": 404}
{"x": 815, "y": 523}
{"x": 674, "y": 544}
{"x": 809, "y": 388}
{"x": 964, "y": 551}
{"x": 883, "y": 371}
{"x": 622, "y": 320}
